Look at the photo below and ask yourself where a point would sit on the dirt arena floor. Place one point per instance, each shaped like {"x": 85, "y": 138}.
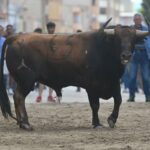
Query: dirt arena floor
{"x": 68, "y": 127}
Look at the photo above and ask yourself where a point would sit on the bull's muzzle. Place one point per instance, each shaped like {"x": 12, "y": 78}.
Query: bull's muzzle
{"x": 125, "y": 57}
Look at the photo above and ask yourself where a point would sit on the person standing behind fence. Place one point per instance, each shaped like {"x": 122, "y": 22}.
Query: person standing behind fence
{"x": 51, "y": 29}
{"x": 141, "y": 57}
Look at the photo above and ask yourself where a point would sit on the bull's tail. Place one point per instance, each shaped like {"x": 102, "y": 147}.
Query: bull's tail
{"x": 4, "y": 99}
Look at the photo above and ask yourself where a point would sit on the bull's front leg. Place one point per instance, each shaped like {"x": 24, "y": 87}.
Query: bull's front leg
{"x": 94, "y": 103}
{"x": 117, "y": 102}
{"x": 19, "y": 101}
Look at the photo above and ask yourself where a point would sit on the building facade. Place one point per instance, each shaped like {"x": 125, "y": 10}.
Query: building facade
{"x": 69, "y": 15}
{"x": 120, "y": 11}
{"x": 3, "y": 12}
{"x": 126, "y": 12}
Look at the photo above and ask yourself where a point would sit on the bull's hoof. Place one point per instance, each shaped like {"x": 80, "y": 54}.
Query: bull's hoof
{"x": 26, "y": 127}
{"x": 111, "y": 122}
{"x": 59, "y": 100}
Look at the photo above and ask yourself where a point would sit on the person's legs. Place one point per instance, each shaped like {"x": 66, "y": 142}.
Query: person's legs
{"x": 50, "y": 97}
{"x": 41, "y": 88}
{"x": 125, "y": 79}
{"x": 144, "y": 64}
{"x": 132, "y": 79}
{"x": 40, "y": 91}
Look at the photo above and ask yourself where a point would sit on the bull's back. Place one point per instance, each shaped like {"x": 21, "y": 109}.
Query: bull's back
{"x": 49, "y": 55}
{"x": 55, "y": 48}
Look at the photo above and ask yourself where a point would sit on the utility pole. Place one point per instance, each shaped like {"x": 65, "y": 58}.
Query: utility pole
{"x": 43, "y": 4}
{"x": 7, "y": 5}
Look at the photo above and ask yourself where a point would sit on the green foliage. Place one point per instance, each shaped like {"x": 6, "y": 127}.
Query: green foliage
{"x": 146, "y": 9}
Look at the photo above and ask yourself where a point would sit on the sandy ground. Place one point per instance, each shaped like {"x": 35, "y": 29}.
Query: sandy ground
{"x": 68, "y": 127}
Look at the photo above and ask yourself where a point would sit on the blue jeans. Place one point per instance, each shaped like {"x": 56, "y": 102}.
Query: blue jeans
{"x": 125, "y": 77}
{"x": 140, "y": 58}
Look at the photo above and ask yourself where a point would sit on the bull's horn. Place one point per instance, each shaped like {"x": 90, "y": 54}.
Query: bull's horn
{"x": 109, "y": 31}
{"x": 142, "y": 33}
{"x": 106, "y": 23}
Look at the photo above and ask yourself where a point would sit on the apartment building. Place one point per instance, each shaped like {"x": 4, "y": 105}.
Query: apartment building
{"x": 126, "y": 12}
{"x": 23, "y": 15}
{"x": 71, "y": 15}
{"x": 3, "y": 12}
{"x": 120, "y": 11}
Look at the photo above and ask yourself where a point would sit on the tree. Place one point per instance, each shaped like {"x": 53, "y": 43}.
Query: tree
{"x": 146, "y": 9}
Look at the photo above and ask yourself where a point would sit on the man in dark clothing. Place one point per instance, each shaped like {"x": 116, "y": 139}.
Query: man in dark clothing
{"x": 141, "y": 57}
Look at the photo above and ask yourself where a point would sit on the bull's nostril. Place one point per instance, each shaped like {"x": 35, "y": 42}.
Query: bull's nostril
{"x": 123, "y": 56}
{"x": 126, "y": 55}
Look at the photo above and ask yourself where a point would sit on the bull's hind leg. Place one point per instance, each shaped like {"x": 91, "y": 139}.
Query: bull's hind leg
{"x": 94, "y": 103}
{"x": 19, "y": 101}
{"x": 117, "y": 102}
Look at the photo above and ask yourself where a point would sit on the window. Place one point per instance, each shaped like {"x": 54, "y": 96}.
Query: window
{"x": 93, "y": 2}
{"x": 102, "y": 10}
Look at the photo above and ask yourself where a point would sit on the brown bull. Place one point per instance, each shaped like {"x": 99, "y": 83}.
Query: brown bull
{"x": 93, "y": 60}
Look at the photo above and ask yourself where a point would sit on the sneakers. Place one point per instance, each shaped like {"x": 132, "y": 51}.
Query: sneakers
{"x": 51, "y": 99}
{"x": 38, "y": 99}
{"x": 131, "y": 99}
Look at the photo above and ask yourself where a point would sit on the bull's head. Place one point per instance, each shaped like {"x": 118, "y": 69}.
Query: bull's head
{"x": 125, "y": 38}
